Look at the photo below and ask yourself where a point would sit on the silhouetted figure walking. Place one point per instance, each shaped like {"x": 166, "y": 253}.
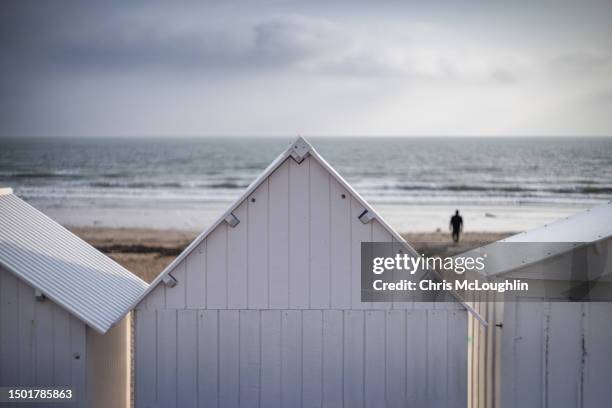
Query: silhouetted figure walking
{"x": 456, "y": 225}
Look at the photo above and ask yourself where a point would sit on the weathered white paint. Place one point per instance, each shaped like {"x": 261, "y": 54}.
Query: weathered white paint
{"x": 279, "y": 321}
{"x": 545, "y": 354}
{"x": 41, "y": 344}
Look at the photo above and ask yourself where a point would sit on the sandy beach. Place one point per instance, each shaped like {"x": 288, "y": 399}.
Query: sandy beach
{"x": 146, "y": 252}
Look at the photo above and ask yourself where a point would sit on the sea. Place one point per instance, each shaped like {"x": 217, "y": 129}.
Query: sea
{"x": 498, "y": 183}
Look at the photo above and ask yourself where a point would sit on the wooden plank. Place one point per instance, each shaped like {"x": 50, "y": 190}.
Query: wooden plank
{"x": 166, "y": 358}
{"x": 9, "y": 325}
{"x": 332, "y": 358}
{"x": 564, "y": 356}
{"x": 195, "y": 268}
{"x": 299, "y": 242}
{"x": 359, "y": 233}
{"x": 527, "y": 354}
{"x": 175, "y": 296}
{"x": 375, "y": 373}
{"x": 229, "y": 349}
{"x": 291, "y": 357}
{"x": 416, "y": 357}
{"x": 457, "y": 358}
{"x": 437, "y": 387}
{"x": 270, "y": 358}
{"x": 340, "y": 242}
{"x": 44, "y": 342}
{"x": 156, "y": 300}
{"x": 212, "y": 266}
{"x": 395, "y": 358}
{"x": 257, "y": 248}
{"x": 320, "y": 249}
{"x": 187, "y": 356}
{"x": 216, "y": 261}
{"x": 278, "y": 249}
{"x": 26, "y": 334}
{"x": 62, "y": 353}
{"x": 208, "y": 358}
{"x": 78, "y": 341}
{"x": 312, "y": 356}
{"x": 380, "y": 234}
{"x": 250, "y": 364}
{"x": 146, "y": 358}
{"x": 353, "y": 358}
{"x": 236, "y": 261}
{"x": 598, "y": 359}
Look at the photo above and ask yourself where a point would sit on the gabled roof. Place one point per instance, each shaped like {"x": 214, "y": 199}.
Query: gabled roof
{"x": 66, "y": 269}
{"x": 298, "y": 150}
{"x": 553, "y": 239}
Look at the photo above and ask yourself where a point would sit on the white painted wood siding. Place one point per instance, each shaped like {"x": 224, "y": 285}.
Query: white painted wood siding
{"x": 297, "y": 246}
{"x": 278, "y": 317}
{"x": 39, "y": 341}
{"x": 309, "y": 358}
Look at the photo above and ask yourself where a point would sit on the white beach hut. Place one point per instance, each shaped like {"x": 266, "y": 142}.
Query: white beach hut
{"x": 62, "y": 310}
{"x": 543, "y": 353}
{"x": 263, "y": 309}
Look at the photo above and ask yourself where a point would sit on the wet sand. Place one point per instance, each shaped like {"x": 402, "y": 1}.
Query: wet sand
{"x": 146, "y": 252}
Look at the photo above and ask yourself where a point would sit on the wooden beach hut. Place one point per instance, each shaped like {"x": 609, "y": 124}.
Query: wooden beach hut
{"x": 263, "y": 309}
{"x": 62, "y": 310}
{"x": 550, "y": 353}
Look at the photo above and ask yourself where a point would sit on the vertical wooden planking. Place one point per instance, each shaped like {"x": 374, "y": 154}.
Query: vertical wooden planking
{"x": 236, "y": 260}
{"x": 564, "y": 354}
{"x": 319, "y": 236}
{"x": 312, "y": 359}
{"x": 416, "y": 357}
{"x": 156, "y": 300}
{"x": 380, "y": 234}
{"x": 299, "y": 231}
{"x": 26, "y": 334}
{"x": 217, "y": 274}
{"x": 166, "y": 358}
{"x": 332, "y": 358}
{"x": 62, "y": 348}
{"x": 44, "y": 342}
{"x": 270, "y": 358}
{"x": 395, "y": 337}
{"x": 9, "y": 327}
{"x": 146, "y": 358}
{"x": 195, "y": 268}
{"x": 229, "y": 358}
{"x": 278, "y": 248}
{"x": 437, "y": 336}
{"x": 353, "y": 358}
{"x": 78, "y": 342}
{"x": 187, "y": 359}
{"x": 208, "y": 358}
{"x": 340, "y": 244}
{"x": 457, "y": 358}
{"x": 375, "y": 373}
{"x": 527, "y": 352}
{"x": 257, "y": 248}
{"x": 175, "y": 296}
{"x": 249, "y": 358}
{"x": 291, "y": 358}
{"x": 598, "y": 359}
{"x": 359, "y": 233}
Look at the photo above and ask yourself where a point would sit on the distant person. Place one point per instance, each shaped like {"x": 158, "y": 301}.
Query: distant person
{"x": 456, "y": 225}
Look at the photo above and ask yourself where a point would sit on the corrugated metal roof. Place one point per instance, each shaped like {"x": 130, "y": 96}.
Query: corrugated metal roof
{"x": 547, "y": 241}
{"x": 63, "y": 267}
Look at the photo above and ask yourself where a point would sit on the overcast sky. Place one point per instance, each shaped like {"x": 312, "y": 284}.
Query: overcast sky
{"x": 308, "y": 67}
